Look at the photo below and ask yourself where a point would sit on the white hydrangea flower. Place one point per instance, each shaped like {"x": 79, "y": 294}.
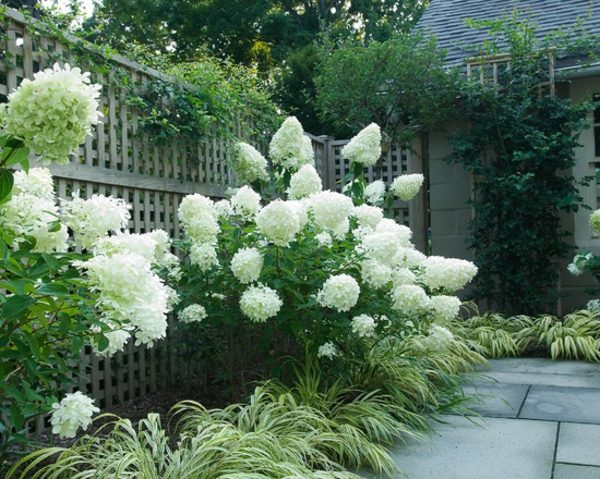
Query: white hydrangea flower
{"x": 324, "y": 239}
{"x": 305, "y": 182}
{"x": 130, "y": 294}
{"x": 93, "y": 218}
{"x": 223, "y": 209}
{"x": 249, "y": 164}
{"x": 117, "y": 340}
{"x": 445, "y": 307}
{"x": 54, "y": 112}
{"x": 330, "y": 209}
{"x": 340, "y": 292}
{"x": 595, "y": 221}
{"x": 28, "y": 215}
{"x": 327, "y": 350}
{"x": 403, "y": 276}
{"x": 363, "y": 325}
{"x": 574, "y": 269}
{"x": 278, "y": 222}
{"x": 204, "y": 255}
{"x": 593, "y": 305}
{"x": 74, "y": 411}
{"x": 197, "y": 216}
{"x": 438, "y": 338}
{"x": 406, "y": 187}
{"x": 411, "y": 258}
{"x": 374, "y": 192}
{"x": 194, "y": 313}
{"x": 365, "y": 147}
{"x": 447, "y": 274}
{"x": 245, "y": 202}
{"x": 366, "y": 215}
{"x": 260, "y": 303}
{"x": 246, "y": 265}
{"x": 410, "y": 299}
{"x": 403, "y": 232}
{"x": 383, "y": 247}
{"x": 290, "y": 147}
{"x": 37, "y": 182}
{"x": 375, "y": 274}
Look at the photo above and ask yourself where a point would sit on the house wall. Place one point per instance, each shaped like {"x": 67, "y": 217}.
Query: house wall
{"x": 575, "y": 288}
{"x": 450, "y": 190}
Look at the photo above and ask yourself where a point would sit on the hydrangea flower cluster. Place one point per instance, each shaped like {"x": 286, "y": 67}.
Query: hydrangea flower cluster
{"x": 340, "y": 292}
{"x": 74, "y": 411}
{"x": 364, "y": 148}
{"x": 194, "y": 313}
{"x": 375, "y": 192}
{"x": 410, "y": 299}
{"x": 260, "y": 303}
{"x": 246, "y": 265}
{"x": 250, "y": 165}
{"x": 290, "y": 147}
{"x": 331, "y": 210}
{"x": 363, "y": 325}
{"x": 278, "y": 222}
{"x": 129, "y": 294}
{"x": 53, "y": 113}
{"x": 245, "y": 202}
{"x": 91, "y": 219}
{"x": 438, "y": 338}
{"x": 447, "y": 274}
{"x": 446, "y": 308}
{"x": 304, "y": 182}
{"x": 406, "y": 187}
{"x": 368, "y": 216}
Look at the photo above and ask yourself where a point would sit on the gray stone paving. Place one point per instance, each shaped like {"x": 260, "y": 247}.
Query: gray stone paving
{"x": 533, "y": 419}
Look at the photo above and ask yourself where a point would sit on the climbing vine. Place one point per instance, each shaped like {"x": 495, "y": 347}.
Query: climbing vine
{"x": 520, "y": 146}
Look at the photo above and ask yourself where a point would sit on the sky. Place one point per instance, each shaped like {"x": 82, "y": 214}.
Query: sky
{"x": 87, "y": 5}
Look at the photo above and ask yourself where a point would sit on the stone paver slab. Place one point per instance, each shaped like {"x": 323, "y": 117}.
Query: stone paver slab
{"x": 556, "y": 403}
{"x": 492, "y": 448}
{"x": 570, "y": 471}
{"x": 543, "y": 371}
{"x": 495, "y": 399}
{"x": 579, "y": 444}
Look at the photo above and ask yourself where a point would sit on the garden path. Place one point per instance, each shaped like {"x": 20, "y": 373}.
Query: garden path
{"x": 539, "y": 419}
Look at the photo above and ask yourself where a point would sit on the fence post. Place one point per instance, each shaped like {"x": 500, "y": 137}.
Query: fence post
{"x": 417, "y": 207}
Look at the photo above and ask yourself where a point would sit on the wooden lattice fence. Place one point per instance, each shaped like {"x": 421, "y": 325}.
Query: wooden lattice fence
{"x": 122, "y": 160}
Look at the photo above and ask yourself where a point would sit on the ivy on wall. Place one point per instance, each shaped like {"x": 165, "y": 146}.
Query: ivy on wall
{"x": 520, "y": 146}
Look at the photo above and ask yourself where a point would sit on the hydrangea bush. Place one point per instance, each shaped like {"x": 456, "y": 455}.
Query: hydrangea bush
{"x": 286, "y": 267}
{"x": 70, "y": 272}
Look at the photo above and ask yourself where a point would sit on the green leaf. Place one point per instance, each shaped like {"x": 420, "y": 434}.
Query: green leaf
{"x": 17, "y": 156}
{"x": 16, "y": 304}
{"x": 53, "y": 289}
{"x": 6, "y": 184}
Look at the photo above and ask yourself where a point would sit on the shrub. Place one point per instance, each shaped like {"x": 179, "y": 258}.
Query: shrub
{"x": 54, "y": 300}
{"x": 324, "y": 271}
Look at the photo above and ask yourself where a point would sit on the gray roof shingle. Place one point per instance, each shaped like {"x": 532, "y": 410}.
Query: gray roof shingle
{"x": 446, "y": 20}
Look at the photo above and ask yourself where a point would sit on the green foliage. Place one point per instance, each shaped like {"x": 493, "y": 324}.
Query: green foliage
{"x": 400, "y": 84}
{"x": 520, "y": 146}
